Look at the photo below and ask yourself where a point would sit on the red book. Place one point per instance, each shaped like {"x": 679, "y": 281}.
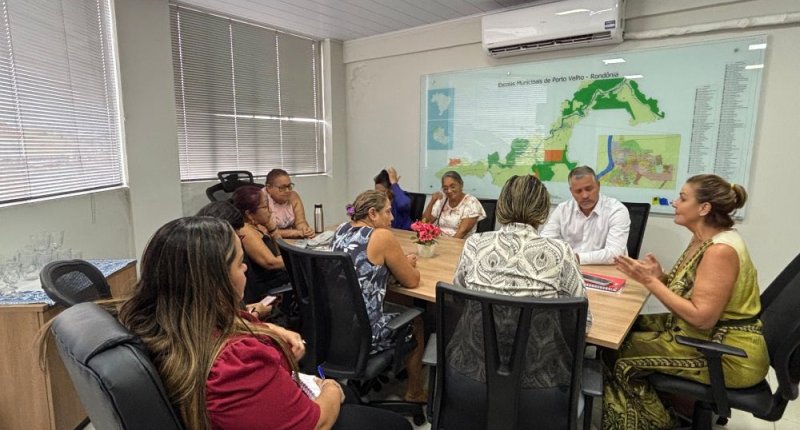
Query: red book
{"x": 603, "y": 282}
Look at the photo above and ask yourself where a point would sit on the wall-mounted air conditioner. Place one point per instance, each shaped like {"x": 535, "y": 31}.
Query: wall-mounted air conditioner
{"x": 557, "y": 25}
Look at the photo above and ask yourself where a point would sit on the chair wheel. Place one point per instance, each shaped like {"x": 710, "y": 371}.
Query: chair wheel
{"x": 722, "y": 421}
{"x": 419, "y": 420}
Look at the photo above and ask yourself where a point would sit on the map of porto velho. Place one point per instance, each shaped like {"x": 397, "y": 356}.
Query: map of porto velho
{"x": 548, "y": 156}
{"x": 648, "y": 161}
{"x": 644, "y": 120}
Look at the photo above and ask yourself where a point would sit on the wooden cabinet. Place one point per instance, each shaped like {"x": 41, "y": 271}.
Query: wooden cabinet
{"x": 30, "y": 398}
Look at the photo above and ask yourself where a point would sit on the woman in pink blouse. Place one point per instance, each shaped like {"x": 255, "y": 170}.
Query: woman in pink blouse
{"x": 286, "y": 208}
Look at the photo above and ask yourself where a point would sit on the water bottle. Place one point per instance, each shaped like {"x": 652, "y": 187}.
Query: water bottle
{"x": 319, "y": 224}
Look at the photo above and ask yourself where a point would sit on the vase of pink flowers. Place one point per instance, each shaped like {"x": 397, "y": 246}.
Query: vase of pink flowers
{"x": 425, "y": 238}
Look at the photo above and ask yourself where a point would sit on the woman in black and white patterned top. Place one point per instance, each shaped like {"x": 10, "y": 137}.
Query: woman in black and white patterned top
{"x": 516, "y": 261}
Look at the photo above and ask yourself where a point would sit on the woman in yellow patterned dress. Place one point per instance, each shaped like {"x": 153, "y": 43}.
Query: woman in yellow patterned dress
{"x": 712, "y": 293}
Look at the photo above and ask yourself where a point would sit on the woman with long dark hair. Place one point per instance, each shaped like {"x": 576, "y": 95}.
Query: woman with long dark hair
{"x": 267, "y": 270}
{"x": 222, "y": 368}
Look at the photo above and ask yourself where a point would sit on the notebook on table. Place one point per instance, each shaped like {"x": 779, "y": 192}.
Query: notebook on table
{"x": 600, "y": 282}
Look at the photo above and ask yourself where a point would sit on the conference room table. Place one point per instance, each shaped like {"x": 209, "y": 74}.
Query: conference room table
{"x": 613, "y": 314}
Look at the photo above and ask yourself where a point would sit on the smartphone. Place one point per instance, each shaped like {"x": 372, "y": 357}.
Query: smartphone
{"x": 266, "y": 301}
{"x": 597, "y": 281}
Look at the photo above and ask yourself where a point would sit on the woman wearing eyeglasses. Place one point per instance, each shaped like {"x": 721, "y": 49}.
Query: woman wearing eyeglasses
{"x": 267, "y": 270}
{"x": 454, "y": 211}
{"x": 288, "y": 213}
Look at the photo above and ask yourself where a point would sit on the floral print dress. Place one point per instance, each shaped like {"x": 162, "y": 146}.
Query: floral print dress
{"x": 372, "y": 278}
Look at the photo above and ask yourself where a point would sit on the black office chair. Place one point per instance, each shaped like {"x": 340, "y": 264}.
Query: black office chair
{"x": 639, "y": 213}
{"x": 69, "y": 282}
{"x": 781, "y": 330}
{"x": 301, "y": 276}
{"x": 233, "y": 179}
{"x": 336, "y": 327}
{"x": 515, "y": 380}
{"x": 229, "y": 181}
{"x": 417, "y": 205}
{"x": 217, "y": 193}
{"x": 487, "y": 224}
{"x": 117, "y": 383}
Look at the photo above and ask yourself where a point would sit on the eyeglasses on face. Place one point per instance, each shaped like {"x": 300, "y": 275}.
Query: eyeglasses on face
{"x": 287, "y": 187}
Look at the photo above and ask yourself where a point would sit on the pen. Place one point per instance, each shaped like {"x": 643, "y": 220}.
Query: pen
{"x": 320, "y": 372}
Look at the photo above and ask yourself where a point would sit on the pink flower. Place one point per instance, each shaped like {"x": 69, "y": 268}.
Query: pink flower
{"x": 426, "y": 233}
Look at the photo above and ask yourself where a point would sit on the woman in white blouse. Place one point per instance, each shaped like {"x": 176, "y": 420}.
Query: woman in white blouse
{"x": 455, "y": 212}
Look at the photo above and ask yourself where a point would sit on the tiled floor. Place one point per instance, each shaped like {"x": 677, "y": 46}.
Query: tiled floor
{"x": 739, "y": 420}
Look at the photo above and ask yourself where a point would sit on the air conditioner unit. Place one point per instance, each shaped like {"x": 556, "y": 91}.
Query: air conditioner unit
{"x": 556, "y": 25}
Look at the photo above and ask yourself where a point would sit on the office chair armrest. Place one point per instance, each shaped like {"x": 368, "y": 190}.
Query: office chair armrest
{"x": 285, "y": 288}
{"x": 403, "y": 319}
{"x": 429, "y": 355}
{"x": 708, "y": 348}
{"x": 713, "y": 353}
{"x": 592, "y": 380}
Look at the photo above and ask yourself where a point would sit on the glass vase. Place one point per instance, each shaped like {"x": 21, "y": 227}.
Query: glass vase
{"x": 426, "y": 251}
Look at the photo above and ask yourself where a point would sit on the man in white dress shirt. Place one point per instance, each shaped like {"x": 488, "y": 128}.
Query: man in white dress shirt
{"x": 595, "y": 226}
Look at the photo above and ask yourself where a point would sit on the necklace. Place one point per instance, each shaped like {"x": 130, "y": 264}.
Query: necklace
{"x": 685, "y": 260}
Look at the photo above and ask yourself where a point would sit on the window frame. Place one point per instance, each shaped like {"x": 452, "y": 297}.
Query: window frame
{"x": 319, "y": 157}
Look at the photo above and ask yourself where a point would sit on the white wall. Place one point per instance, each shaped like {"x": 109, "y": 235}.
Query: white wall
{"x": 383, "y": 111}
{"x": 151, "y": 137}
{"x": 97, "y": 224}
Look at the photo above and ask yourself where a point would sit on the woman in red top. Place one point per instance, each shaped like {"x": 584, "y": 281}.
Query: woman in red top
{"x": 221, "y": 368}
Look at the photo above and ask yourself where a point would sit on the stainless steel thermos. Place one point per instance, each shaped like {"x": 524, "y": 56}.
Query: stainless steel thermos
{"x": 319, "y": 224}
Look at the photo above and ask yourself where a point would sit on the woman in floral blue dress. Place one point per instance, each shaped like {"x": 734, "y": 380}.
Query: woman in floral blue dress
{"x": 376, "y": 253}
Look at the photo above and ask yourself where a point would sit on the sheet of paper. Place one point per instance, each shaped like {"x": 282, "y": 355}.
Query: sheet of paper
{"x": 309, "y": 385}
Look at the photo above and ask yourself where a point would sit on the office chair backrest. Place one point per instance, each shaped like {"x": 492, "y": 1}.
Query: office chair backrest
{"x": 300, "y": 274}
{"x": 117, "y": 383}
{"x": 229, "y": 181}
{"x": 69, "y": 282}
{"x": 217, "y": 193}
{"x": 346, "y": 336}
{"x": 487, "y": 224}
{"x": 233, "y": 179}
{"x": 324, "y": 281}
{"x": 780, "y": 302}
{"x": 417, "y": 205}
{"x": 638, "y": 213}
{"x": 507, "y": 362}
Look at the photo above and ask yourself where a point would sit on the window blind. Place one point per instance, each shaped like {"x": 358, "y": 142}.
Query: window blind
{"x": 59, "y": 117}
{"x": 247, "y": 97}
